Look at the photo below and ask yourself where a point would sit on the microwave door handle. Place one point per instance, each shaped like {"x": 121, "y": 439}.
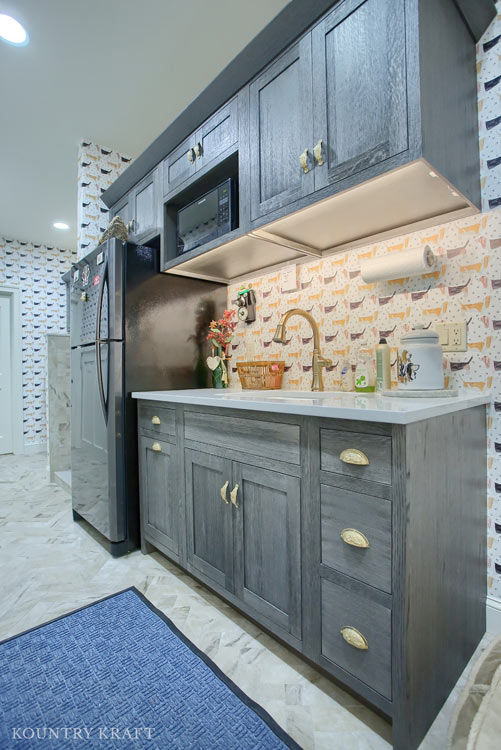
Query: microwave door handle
{"x": 103, "y": 398}
{"x": 104, "y": 281}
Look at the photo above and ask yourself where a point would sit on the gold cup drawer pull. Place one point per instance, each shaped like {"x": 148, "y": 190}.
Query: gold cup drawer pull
{"x": 354, "y": 638}
{"x": 156, "y": 447}
{"x": 355, "y": 538}
{"x": 233, "y": 496}
{"x": 155, "y": 420}
{"x": 222, "y": 492}
{"x": 191, "y": 155}
{"x": 354, "y": 456}
{"x": 198, "y": 150}
{"x": 303, "y": 160}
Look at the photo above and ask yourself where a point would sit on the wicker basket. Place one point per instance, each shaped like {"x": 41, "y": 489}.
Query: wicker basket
{"x": 260, "y": 376}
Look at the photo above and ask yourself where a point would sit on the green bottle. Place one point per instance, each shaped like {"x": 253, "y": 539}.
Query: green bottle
{"x": 365, "y": 381}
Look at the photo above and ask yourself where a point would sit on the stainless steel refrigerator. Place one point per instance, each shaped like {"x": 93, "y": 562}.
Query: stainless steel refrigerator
{"x": 131, "y": 328}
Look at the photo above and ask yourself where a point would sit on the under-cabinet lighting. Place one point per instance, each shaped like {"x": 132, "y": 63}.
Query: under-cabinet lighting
{"x": 60, "y": 225}
{"x": 12, "y": 32}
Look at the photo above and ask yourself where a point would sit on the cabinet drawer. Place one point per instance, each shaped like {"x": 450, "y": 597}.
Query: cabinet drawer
{"x": 342, "y": 609}
{"x": 157, "y": 419}
{"x": 251, "y": 436}
{"x": 376, "y": 450}
{"x": 346, "y": 511}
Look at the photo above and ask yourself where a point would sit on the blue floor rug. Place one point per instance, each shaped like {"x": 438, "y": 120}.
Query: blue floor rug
{"x": 118, "y": 673}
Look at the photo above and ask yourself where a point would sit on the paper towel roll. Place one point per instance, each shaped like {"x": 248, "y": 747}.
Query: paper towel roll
{"x": 397, "y": 265}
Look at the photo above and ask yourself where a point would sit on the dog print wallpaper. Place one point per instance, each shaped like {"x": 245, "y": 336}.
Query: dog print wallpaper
{"x": 466, "y": 285}
{"x": 36, "y": 271}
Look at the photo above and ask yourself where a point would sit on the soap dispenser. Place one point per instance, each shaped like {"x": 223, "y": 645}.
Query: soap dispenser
{"x": 365, "y": 379}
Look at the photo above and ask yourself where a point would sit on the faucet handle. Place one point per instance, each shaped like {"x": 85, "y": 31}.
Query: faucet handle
{"x": 323, "y": 361}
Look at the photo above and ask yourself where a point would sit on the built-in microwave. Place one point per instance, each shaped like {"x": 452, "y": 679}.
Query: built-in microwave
{"x": 208, "y": 217}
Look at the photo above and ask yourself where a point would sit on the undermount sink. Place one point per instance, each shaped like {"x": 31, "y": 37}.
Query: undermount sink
{"x": 278, "y": 395}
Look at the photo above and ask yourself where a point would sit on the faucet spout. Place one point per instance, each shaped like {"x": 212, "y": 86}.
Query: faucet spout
{"x": 318, "y": 360}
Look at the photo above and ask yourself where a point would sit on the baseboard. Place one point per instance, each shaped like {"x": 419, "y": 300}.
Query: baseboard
{"x": 33, "y": 448}
{"x": 493, "y": 624}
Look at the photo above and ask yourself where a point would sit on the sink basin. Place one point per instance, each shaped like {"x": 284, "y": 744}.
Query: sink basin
{"x": 278, "y": 395}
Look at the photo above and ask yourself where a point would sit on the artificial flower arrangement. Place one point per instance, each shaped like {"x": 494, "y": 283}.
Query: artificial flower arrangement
{"x": 220, "y": 336}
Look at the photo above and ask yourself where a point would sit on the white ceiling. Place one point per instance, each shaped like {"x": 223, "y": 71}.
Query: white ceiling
{"x": 116, "y": 72}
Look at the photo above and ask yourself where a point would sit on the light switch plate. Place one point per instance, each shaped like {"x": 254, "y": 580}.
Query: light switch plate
{"x": 452, "y": 336}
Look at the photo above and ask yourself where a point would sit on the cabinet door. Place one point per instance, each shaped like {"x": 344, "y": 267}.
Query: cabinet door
{"x": 160, "y": 493}
{"x": 359, "y": 83}
{"x": 281, "y": 128}
{"x": 268, "y": 545}
{"x": 179, "y": 165}
{"x": 217, "y": 135}
{"x": 209, "y": 518}
{"x": 145, "y": 208}
{"x": 121, "y": 209}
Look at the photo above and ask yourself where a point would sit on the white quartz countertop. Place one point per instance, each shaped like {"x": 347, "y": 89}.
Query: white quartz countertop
{"x": 367, "y": 407}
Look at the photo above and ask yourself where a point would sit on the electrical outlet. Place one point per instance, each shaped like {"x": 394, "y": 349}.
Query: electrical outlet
{"x": 452, "y": 336}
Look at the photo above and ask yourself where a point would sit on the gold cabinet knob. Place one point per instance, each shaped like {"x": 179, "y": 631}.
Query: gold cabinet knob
{"x": 354, "y": 638}
{"x": 233, "y": 496}
{"x": 191, "y": 155}
{"x": 198, "y": 150}
{"x": 156, "y": 447}
{"x": 155, "y": 420}
{"x": 303, "y": 160}
{"x": 353, "y": 456}
{"x": 355, "y": 538}
{"x": 130, "y": 226}
{"x": 84, "y": 297}
{"x": 222, "y": 492}
{"x": 317, "y": 153}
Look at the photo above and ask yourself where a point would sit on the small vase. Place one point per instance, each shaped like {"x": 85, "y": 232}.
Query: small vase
{"x": 217, "y": 377}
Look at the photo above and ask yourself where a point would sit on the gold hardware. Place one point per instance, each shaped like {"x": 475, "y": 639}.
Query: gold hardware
{"x": 355, "y": 538}
{"x": 318, "y": 360}
{"x": 156, "y": 447}
{"x": 130, "y": 226}
{"x": 198, "y": 150}
{"x": 155, "y": 420}
{"x": 354, "y": 637}
{"x": 191, "y": 155}
{"x": 233, "y": 495}
{"x": 317, "y": 153}
{"x": 303, "y": 160}
{"x": 84, "y": 297}
{"x": 223, "y": 492}
{"x": 354, "y": 456}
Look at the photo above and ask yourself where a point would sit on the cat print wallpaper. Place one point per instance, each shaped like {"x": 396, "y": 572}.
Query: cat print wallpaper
{"x": 466, "y": 285}
{"x": 36, "y": 271}
{"x": 98, "y": 167}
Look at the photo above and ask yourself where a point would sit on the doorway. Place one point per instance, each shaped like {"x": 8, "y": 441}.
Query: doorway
{"x": 11, "y": 410}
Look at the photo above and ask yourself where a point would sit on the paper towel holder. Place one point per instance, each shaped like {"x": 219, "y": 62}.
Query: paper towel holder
{"x": 426, "y": 264}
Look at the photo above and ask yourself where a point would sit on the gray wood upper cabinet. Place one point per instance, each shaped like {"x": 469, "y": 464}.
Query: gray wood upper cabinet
{"x": 203, "y": 148}
{"x": 281, "y": 130}
{"x": 209, "y": 521}
{"x": 160, "y": 496}
{"x": 140, "y": 210}
{"x": 268, "y": 545}
{"x": 359, "y": 87}
{"x": 338, "y": 97}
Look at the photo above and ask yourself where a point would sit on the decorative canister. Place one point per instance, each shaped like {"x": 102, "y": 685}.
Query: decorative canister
{"x": 420, "y": 361}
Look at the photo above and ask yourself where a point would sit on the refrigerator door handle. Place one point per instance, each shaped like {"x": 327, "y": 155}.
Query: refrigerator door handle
{"x": 104, "y": 399}
{"x": 104, "y": 282}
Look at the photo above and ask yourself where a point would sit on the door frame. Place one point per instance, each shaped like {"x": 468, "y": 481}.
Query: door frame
{"x": 16, "y": 365}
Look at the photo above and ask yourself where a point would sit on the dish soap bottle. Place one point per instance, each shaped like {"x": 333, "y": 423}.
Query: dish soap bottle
{"x": 364, "y": 370}
{"x": 346, "y": 376}
{"x": 383, "y": 367}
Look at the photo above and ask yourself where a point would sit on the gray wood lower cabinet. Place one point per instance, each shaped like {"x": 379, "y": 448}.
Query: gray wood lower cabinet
{"x": 375, "y": 571}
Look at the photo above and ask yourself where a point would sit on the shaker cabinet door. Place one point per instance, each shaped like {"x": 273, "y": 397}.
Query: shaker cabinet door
{"x": 145, "y": 201}
{"x": 268, "y": 545}
{"x": 179, "y": 165}
{"x": 160, "y": 493}
{"x": 281, "y": 131}
{"x": 359, "y": 87}
{"x": 208, "y": 518}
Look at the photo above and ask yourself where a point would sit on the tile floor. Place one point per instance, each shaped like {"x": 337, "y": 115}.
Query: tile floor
{"x": 51, "y": 565}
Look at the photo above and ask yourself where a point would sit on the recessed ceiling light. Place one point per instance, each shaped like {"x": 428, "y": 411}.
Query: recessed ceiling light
{"x": 12, "y": 32}
{"x": 60, "y": 225}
